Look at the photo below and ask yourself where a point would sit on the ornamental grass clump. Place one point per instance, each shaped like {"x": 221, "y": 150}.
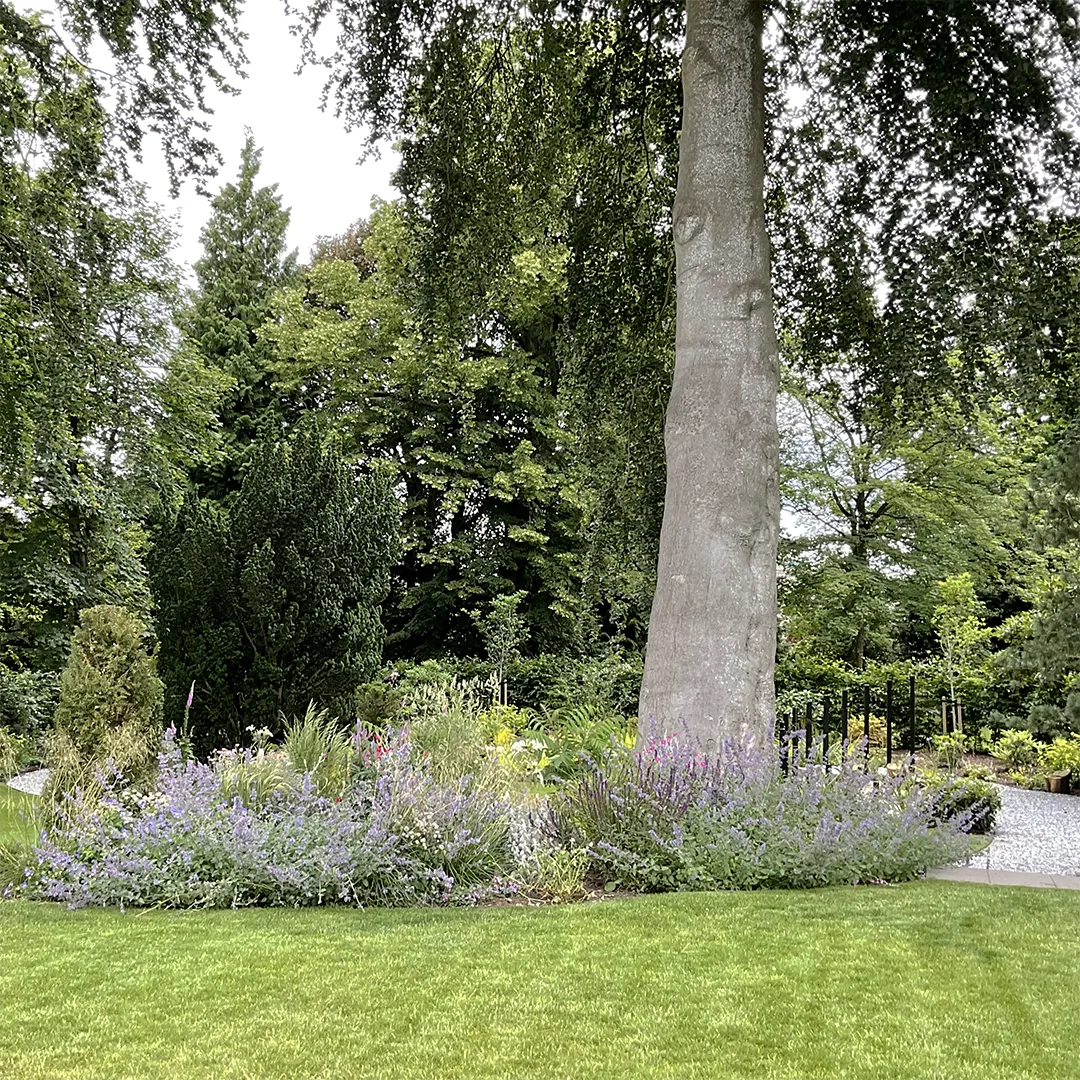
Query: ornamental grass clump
{"x": 667, "y": 817}
{"x": 395, "y": 836}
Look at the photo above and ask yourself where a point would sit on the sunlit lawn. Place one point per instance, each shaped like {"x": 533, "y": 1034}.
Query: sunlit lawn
{"x": 16, "y": 816}
{"x": 927, "y": 980}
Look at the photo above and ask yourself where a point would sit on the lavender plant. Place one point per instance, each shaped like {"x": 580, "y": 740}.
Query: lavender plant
{"x": 395, "y": 836}
{"x": 667, "y": 817}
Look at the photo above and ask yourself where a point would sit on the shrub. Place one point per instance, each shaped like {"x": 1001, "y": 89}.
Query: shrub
{"x": 1028, "y": 778}
{"x": 949, "y": 749}
{"x": 109, "y": 711}
{"x": 556, "y": 873}
{"x": 1016, "y": 748}
{"x": 969, "y": 798}
{"x": 549, "y": 681}
{"x": 668, "y": 818}
{"x": 1050, "y": 721}
{"x": 447, "y": 722}
{"x": 318, "y": 749}
{"x": 274, "y": 602}
{"x": 1061, "y": 755}
{"x": 15, "y": 752}
{"x": 376, "y": 704}
{"x": 253, "y": 777}
{"x": 27, "y": 701}
{"x": 396, "y": 836}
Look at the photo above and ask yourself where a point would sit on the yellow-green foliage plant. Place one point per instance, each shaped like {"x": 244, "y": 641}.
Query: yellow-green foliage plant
{"x": 1062, "y": 755}
{"x": 1016, "y": 748}
{"x": 109, "y": 715}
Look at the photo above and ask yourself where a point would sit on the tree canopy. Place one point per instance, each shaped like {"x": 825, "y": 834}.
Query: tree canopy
{"x": 604, "y": 210}
{"x": 922, "y": 120}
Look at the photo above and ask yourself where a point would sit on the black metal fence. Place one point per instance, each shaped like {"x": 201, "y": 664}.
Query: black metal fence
{"x": 846, "y": 715}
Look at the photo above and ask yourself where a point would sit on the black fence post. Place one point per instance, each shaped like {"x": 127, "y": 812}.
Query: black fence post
{"x": 793, "y": 721}
{"x": 888, "y": 721}
{"x": 843, "y": 724}
{"x": 809, "y": 729}
{"x": 826, "y": 723}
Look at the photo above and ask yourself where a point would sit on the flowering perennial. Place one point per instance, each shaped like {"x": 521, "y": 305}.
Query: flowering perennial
{"x": 669, "y": 817}
{"x": 392, "y": 837}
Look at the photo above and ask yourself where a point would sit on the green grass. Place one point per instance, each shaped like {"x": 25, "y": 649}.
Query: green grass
{"x": 927, "y": 980}
{"x": 18, "y": 831}
{"x": 16, "y": 809}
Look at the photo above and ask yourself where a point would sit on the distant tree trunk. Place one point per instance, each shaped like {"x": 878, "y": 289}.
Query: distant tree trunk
{"x": 712, "y": 635}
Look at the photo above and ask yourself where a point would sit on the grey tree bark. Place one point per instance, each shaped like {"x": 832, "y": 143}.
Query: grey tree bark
{"x": 712, "y": 635}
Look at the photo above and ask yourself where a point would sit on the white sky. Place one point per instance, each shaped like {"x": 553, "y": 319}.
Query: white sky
{"x": 306, "y": 152}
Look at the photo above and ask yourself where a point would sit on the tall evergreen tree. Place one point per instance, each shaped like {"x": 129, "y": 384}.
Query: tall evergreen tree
{"x": 244, "y": 261}
{"x": 274, "y": 600}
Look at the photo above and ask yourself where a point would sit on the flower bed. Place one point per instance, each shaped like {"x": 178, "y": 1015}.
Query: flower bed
{"x": 370, "y": 821}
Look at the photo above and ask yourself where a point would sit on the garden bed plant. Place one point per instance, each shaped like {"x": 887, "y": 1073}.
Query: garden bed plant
{"x": 432, "y": 813}
{"x": 1014, "y": 758}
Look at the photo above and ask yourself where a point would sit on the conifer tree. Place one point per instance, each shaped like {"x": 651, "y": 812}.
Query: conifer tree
{"x": 273, "y": 600}
{"x": 109, "y": 716}
{"x": 244, "y": 261}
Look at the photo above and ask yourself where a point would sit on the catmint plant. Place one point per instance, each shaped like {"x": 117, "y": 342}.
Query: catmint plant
{"x": 394, "y": 836}
{"x": 668, "y": 817}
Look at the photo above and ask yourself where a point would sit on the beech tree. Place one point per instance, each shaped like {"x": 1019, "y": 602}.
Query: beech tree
{"x": 959, "y": 112}
{"x": 468, "y": 429}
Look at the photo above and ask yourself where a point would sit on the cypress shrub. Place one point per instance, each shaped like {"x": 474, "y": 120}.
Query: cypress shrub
{"x": 109, "y": 713}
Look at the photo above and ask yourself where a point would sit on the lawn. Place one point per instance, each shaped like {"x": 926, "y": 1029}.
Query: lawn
{"x": 927, "y": 980}
{"x": 15, "y": 810}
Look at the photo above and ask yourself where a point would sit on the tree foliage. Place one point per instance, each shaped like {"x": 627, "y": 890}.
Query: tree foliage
{"x": 470, "y": 431}
{"x": 273, "y": 601}
{"x": 165, "y": 54}
{"x": 243, "y": 262}
{"x": 880, "y": 509}
{"x": 961, "y": 126}
{"x": 102, "y": 415}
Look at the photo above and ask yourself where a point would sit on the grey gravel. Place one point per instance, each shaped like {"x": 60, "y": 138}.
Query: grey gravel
{"x": 1036, "y": 832}
{"x": 33, "y": 783}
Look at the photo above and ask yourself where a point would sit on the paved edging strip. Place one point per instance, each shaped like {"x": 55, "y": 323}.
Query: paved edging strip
{"x": 982, "y": 875}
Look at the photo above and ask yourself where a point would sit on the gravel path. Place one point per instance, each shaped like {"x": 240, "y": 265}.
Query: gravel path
{"x": 33, "y": 783}
{"x": 1036, "y": 832}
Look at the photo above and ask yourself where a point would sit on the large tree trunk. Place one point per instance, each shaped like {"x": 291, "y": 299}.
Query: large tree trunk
{"x": 712, "y": 634}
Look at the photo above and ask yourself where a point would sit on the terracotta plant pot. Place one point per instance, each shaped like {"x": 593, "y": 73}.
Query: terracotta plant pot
{"x": 1058, "y": 782}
